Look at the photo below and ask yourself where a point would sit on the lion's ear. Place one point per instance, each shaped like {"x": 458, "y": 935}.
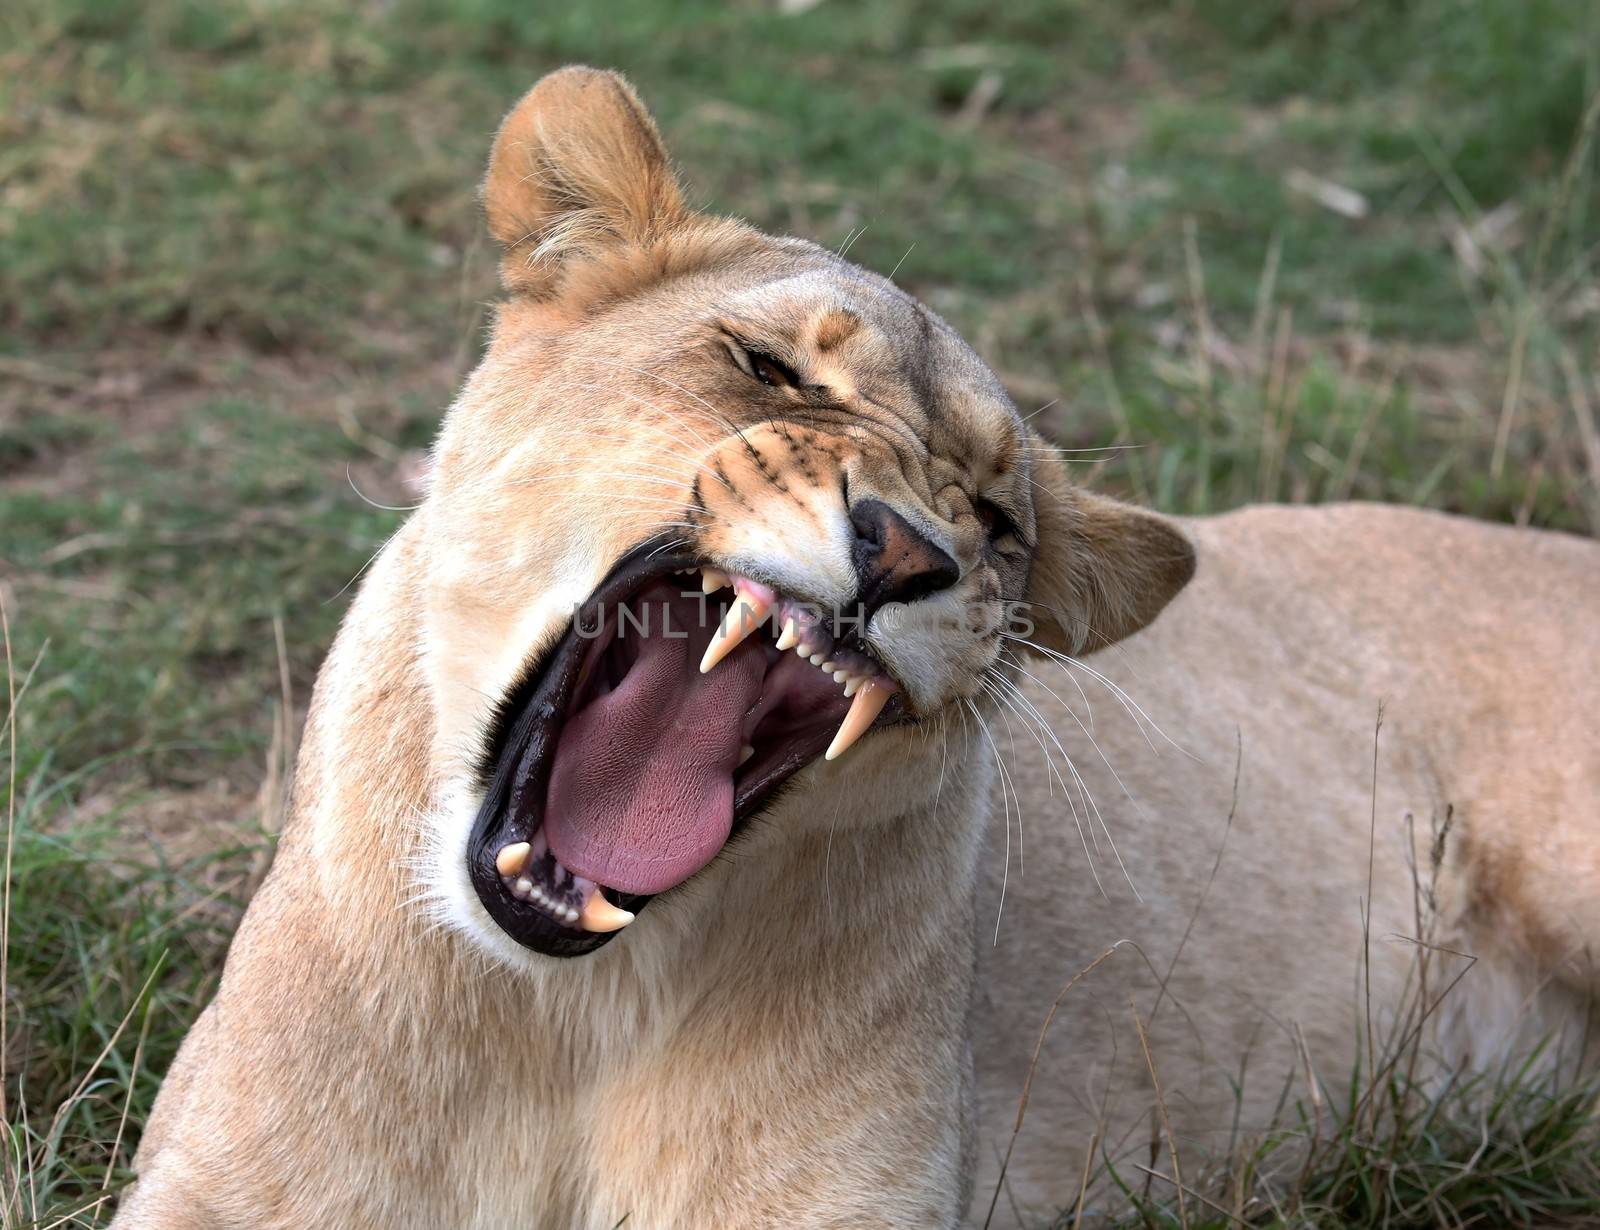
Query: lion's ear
{"x": 577, "y": 166}
{"x": 1102, "y": 569}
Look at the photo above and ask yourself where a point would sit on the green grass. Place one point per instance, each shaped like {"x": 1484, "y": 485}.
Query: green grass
{"x": 115, "y": 951}
{"x": 1507, "y": 1149}
{"x": 241, "y": 271}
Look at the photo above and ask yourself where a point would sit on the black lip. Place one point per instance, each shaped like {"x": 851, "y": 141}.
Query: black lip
{"x": 518, "y": 755}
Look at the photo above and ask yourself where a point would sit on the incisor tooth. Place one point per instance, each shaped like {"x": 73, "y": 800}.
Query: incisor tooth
{"x": 790, "y": 637}
{"x": 743, "y": 618}
{"x": 600, "y": 915}
{"x": 816, "y": 659}
{"x": 864, "y": 710}
{"x": 853, "y": 685}
{"x": 512, "y": 858}
{"x": 805, "y": 651}
{"x": 840, "y": 675}
{"x": 712, "y": 579}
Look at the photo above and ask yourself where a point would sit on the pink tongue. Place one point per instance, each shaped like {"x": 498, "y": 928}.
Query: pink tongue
{"x": 641, "y": 792}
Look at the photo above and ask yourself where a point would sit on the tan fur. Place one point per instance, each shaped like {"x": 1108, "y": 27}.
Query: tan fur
{"x": 1482, "y": 645}
{"x": 787, "y": 1039}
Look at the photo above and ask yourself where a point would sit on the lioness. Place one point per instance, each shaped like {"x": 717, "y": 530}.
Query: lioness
{"x": 599, "y": 906}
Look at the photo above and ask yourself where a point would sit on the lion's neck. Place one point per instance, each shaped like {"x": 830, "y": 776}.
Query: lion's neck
{"x": 363, "y": 779}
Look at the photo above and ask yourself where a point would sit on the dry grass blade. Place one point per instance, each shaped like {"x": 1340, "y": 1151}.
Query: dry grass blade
{"x": 1588, "y": 430}
{"x": 11, "y": 1178}
{"x": 1366, "y": 901}
{"x": 1083, "y": 1180}
{"x": 1166, "y": 1119}
{"x": 1211, "y": 879}
{"x": 1529, "y": 307}
{"x": 1151, "y": 1172}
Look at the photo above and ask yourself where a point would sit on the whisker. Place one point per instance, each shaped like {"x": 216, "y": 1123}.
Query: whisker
{"x": 1083, "y": 785}
{"x": 944, "y": 756}
{"x": 366, "y": 499}
{"x": 1128, "y": 703}
{"x": 655, "y": 467}
{"x": 1061, "y": 450}
{"x": 1073, "y": 679}
{"x": 529, "y": 480}
{"x": 361, "y": 571}
{"x": 680, "y": 419}
{"x": 673, "y": 384}
{"x": 1006, "y": 791}
{"x": 722, "y": 418}
{"x": 992, "y": 682}
{"x": 1087, "y": 800}
{"x": 698, "y": 464}
{"x": 1022, "y": 863}
{"x": 1107, "y": 644}
{"x": 671, "y": 544}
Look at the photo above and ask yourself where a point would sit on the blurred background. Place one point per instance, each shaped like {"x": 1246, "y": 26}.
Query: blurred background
{"x": 1253, "y": 249}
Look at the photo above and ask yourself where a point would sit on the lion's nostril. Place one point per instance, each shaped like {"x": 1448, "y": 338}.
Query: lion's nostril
{"x": 868, "y": 523}
{"x": 894, "y": 561}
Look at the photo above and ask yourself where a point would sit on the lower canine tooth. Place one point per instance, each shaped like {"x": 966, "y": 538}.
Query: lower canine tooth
{"x": 512, "y": 859}
{"x": 864, "y": 710}
{"x": 743, "y": 618}
{"x": 746, "y": 752}
{"x": 600, "y": 915}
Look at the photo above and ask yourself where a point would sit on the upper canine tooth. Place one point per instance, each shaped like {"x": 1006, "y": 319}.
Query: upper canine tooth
{"x": 790, "y": 637}
{"x": 743, "y": 618}
{"x": 712, "y": 579}
{"x": 864, "y": 710}
{"x": 512, "y": 858}
{"x": 600, "y": 915}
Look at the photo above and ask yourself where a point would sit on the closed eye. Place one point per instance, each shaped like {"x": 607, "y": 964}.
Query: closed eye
{"x": 759, "y": 365}
{"x": 996, "y": 521}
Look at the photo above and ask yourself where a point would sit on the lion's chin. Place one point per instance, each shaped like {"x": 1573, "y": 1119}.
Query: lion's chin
{"x": 664, "y": 719}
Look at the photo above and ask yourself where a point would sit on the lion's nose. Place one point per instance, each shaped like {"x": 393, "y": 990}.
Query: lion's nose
{"x": 894, "y": 561}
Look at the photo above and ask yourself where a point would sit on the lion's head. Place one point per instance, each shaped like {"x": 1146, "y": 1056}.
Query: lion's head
{"x": 714, "y": 505}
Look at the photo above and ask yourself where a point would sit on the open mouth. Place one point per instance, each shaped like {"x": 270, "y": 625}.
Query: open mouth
{"x": 680, "y": 699}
